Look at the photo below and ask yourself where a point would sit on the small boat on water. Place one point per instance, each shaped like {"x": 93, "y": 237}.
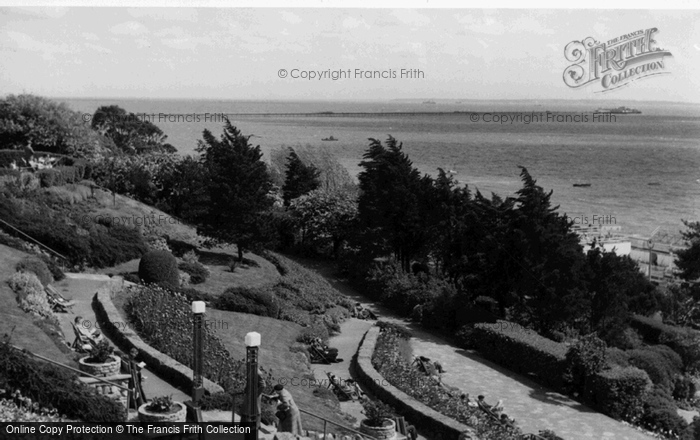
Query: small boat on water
{"x": 581, "y": 185}
{"x": 654, "y": 183}
{"x": 330, "y": 138}
{"x": 618, "y": 111}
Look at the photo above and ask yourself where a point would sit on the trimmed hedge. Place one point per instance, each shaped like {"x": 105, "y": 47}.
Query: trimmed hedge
{"x": 684, "y": 341}
{"x": 61, "y": 175}
{"x": 254, "y": 301}
{"x": 159, "y": 267}
{"x": 661, "y": 363}
{"x": 522, "y": 350}
{"x": 619, "y": 392}
{"x": 51, "y": 386}
{"x": 37, "y": 267}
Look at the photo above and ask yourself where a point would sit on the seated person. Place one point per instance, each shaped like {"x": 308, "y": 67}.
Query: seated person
{"x": 507, "y": 420}
{"x": 88, "y": 331}
{"x": 482, "y": 402}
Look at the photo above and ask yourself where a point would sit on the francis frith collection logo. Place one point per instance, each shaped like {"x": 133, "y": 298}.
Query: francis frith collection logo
{"x": 615, "y": 63}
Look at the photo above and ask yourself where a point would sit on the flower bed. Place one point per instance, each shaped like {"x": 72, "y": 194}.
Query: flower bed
{"x": 398, "y": 372}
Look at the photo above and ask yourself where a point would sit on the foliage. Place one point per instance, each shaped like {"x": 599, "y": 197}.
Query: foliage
{"x": 159, "y": 267}
{"x": 326, "y": 219}
{"x": 48, "y": 126}
{"x": 585, "y": 358}
{"x": 101, "y": 353}
{"x": 684, "y": 388}
{"x": 197, "y": 271}
{"x": 660, "y": 362}
{"x": 522, "y": 350}
{"x": 235, "y": 204}
{"x": 688, "y": 259}
{"x": 61, "y": 175}
{"x": 160, "y": 404}
{"x": 683, "y": 340}
{"x": 9, "y": 157}
{"x": 332, "y": 175}
{"x": 129, "y": 132}
{"x": 399, "y": 372}
{"x": 376, "y": 412}
{"x": 164, "y": 320}
{"x": 54, "y": 387}
{"x": 259, "y": 302}
{"x": 54, "y": 268}
{"x": 65, "y": 230}
{"x": 300, "y": 178}
{"x": 317, "y": 329}
{"x": 30, "y": 294}
{"x": 660, "y": 413}
{"x": 37, "y": 267}
{"x": 549, "y": 435}
{"x": 394, "y": 203}
{"x": 618, "y": 392}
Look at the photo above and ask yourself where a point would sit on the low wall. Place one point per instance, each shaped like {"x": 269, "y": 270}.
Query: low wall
{"x": 163, "y": 365}
{"x": 425, "y": 418}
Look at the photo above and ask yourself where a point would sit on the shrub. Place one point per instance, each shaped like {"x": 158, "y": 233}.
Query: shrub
{"x": 180, "y": 248}
{"x": 52, "y": 386}
{"x": 7, "y": 157}
{"x": 159, "y": 267}
{"x": 585, "y": 358}
{"x": 164, "y": 320}
{"x": 522, "y": 350}
{"x": 376, "y": 412}
{"x": 37, "y": 267}
{"x": 30, "y": 294}
{"x": 662, "y": 370}
{"x": 131, "y": 277}
{"x": 54, "y": 268}
{"x": 618, "y": 392}
{"x": 221, "y": 401}
{"x": 317, "y": 329}
{"x": 660, "y": 413}
{"x": 244, "y": 300}
{"x": 684, "y": 341}
{"x": 101, "y": 353}
{"x": 184, "y": 279}
{"x": 615, "y": 356}
{"x": 160, "y": 404}
{"x": 197, "y": 271}
{"x": 684, "y": 388}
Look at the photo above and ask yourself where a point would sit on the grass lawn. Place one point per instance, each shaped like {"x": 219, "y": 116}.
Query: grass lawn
{"x": 217, "y": 261}
{"x": 277, "y": 337}
{"x": 26, "y": 334}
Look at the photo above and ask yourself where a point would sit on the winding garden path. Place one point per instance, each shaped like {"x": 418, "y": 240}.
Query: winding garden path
{"x": 532, "y": 406}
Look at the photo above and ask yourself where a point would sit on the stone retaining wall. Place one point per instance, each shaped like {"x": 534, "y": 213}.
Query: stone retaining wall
{"x": 163, "y": 365}
{"x": 423, "y": 417}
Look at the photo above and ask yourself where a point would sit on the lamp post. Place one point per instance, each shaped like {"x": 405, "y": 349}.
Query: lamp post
{"x": 198, "y": 309}
{"x": 251, "y": 408}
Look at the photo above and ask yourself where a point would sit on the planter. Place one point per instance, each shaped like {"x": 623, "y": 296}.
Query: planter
{"x": 388, "y": 431}
{"x": 177, "y": 413}
{"x": 109, "y": 368}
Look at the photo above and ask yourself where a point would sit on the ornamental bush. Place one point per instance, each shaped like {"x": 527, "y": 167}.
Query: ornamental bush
{"x": 30, "y": 294}
{"x": 521, "y": 350}
{"x": 259, "y": 302}
{"x": 584, "y": 358}
{"x": 37, "y": 267}
{"x": 662, "y": 367}
{"x": 197, "y": 271}
{"x": 684, "y": 341}
{"x": 618, "y": 392}
{"x": 159, "y": 267}
{"x": 52, "y": 386}
{"x": 660, "y": 413}
{"x": 54, "y": 268}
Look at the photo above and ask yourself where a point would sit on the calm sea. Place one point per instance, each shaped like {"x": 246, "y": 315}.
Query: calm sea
{"x": 643, "y": 169}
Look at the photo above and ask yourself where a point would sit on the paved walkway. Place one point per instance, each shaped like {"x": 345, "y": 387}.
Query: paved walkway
{"x": 81, "y": 288}
{"x": 533, "y": 407}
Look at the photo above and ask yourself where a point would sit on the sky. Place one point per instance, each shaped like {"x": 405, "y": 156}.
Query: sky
{"x": 239, "y": 53}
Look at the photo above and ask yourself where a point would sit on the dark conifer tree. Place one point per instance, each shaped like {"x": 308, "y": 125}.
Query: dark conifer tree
{"x": 300, "y": 178}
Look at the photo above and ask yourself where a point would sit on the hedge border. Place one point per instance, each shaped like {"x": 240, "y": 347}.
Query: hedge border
{"x": 418, "y": 413}
{"x": 167, "y": 368}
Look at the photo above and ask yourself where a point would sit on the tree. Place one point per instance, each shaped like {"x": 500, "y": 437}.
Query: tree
{"x": 325, "y": 218}
{"x": 238, "y": 186}
{"x": 688, "y": 259}
{"x": 183, "y": 191}
{"x": 130, "y": 132}
{"x": 394, "y": 204}
{"x": 48, "y": 126}
{"x": 332, "y": 175}
{"x": 550, "y": 261}
{"x": 300, "y": 178}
